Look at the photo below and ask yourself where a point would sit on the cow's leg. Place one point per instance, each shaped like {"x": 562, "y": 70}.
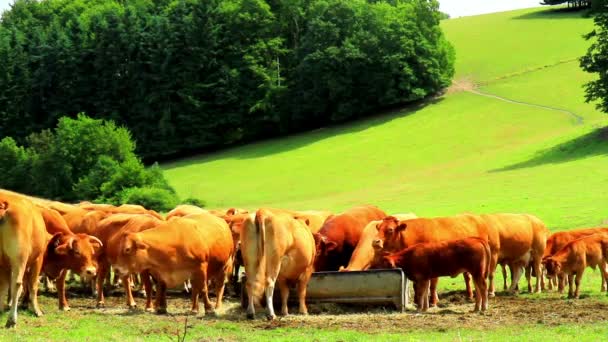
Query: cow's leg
{"x": 147, "y": 283}
{"x": 32, "y": 285}
{"x": 536, "y": 263}
{"x": 197, "y": 288}
{"x": 284, "y": 290}
{"x": 102, "y": 272}
{"x": 220, "y": 284}
{"x": 63, "y": 301}
{"x": 604, "y": 275}
{"x": 433, "y": 289}
{"x": 467, "y": 282}
{"x": 5, "y": 280}
{"x": 161, "y": 297}
{"x": 249, "y": 286}
{"x": 205, "y": 287}
{"x": 419, "y": 289}
{"x": 478, "y": 292}
{"x": 528, "y": 273}
{"x": 269, "y": 292}
{"x": 579, "y": 277}
{"x": 517, "y": 272}
{"x": 49, "y": 285}
{"x": 493, "y": 264}
{"x": 425, "y": 297}
{"x": 570, "y": 284}
{"x": 561, "y": 282}
{"x": 504, "y": 276}
{"x": 18, "y": 268}
{"x": 302, "y": 284}
{"x": 131, "y": 304}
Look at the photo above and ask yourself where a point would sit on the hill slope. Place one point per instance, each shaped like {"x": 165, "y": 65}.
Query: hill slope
{"x": 487, "y": 149}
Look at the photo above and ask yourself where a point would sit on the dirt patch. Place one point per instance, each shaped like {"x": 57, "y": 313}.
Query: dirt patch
{"x": 551, "y": 309}
{"x": 461, "y": 84}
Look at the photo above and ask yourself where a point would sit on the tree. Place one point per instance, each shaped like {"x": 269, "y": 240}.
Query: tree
{"x": 596, "y": 61}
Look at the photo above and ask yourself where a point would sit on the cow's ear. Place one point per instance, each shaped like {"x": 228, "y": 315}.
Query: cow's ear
{"x": 401, "y": 227}
{"x": 330, "y": 245}
{"x": 140, "y": 245}
{"x": 4, "y": 205}
{"x": 62, "y": 249}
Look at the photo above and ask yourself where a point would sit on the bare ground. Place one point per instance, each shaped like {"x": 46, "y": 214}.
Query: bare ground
{"x": 551, "y": 309}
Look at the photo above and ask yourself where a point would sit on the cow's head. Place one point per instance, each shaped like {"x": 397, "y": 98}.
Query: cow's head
{"x": 388, "y": 230}
{"x": 325, "y": 248}
{"x": 552, "y": 266}
{"x": 132, "y": 250}
{"x": 386, "y": 261}
{"x": 3, "y": 210}
{"x": 76, "y": 252}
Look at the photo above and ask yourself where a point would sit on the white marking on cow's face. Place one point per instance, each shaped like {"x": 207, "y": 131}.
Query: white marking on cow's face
{"x": 88, "y": 272}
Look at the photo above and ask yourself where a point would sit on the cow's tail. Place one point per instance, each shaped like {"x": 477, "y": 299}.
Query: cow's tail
{"x": 486, "y": 246}
{"x": 260, "y": 232}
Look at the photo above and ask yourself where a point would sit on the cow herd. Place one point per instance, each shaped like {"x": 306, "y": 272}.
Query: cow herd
{"x": 277, "y": 247}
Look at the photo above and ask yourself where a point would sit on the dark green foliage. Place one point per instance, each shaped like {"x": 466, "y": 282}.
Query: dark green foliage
{"x": 151, "y": 198}
{"x": 185, "y": 75}
{"x": 596, "y": 61}
{"x": 194, "y": 201}
{"x": 81, "y": 159}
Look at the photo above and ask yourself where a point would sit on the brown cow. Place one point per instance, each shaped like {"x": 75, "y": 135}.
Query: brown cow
{"x": 183, "y": 210}
{"x": 559, "y": 240}
{"x": 74, "y": 252}
{"x": 23, "y": 238}
{"x": 109, "y": 231}
{"x": 522, "y": 239}
{"x": 588, "y": 251}
{"x": 337, "y": 239}
{"x": 276, "y": 249}
{"x": 425, "y": 261}
{"x": 198, "y": 247}
{"x": 363, "y": 254}
{"x": 394, "y": 235}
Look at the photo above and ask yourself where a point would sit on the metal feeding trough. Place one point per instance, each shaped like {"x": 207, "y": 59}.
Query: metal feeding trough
{"x": 377, "y": 287}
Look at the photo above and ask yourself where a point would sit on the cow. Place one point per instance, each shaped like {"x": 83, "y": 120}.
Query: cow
{"x": 575, "y": 256}
{"x": 183, "y": 210}
{"x": 558, "y": 240}
{"x": 197, "y": 247}
{"x": 122, "y": 209}
{"x": 363, "y": 254}
{"x": 425, "y": 261}
{"x": 522, "y": 240}
{"x": 23, "y": 239}
{"x": 339, "y": 235}
{"x": 74, "y": 252}
{"x": 277, "y": 249}
{"x": 395, "y": 234}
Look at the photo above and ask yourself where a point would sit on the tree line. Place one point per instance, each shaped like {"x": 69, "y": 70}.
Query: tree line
{"x": 190, "y": 75}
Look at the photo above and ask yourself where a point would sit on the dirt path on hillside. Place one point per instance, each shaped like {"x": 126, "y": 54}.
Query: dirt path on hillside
{"x": 468, "y": 85}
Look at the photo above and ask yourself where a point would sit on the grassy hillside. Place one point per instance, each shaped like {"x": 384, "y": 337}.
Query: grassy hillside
{"x": 461, "y": 152}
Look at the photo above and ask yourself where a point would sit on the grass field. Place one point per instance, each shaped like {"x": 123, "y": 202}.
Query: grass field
{"x": 514, "y": 135}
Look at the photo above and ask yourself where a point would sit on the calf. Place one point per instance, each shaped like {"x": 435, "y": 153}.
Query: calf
{"x": 572, "y": 259}
{"x": 558, "y": 240}
{"x": 276, "y": 249}
{"x": 425, "y": 261}
{"x": 363, "y": 255}
{"x": 197, "y": 247}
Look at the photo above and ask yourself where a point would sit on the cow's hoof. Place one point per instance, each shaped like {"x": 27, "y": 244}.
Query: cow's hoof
{"x": 491, "y": 294}
{"x": 250, "y": 315}
{"x": 161, "y": 311}
{"x": 132, "y": 307}
{"x": 271, "y": 317}
{"x": 10, "y": 323}
{"x": 65, "y": 308}
{"x": 38, "y": 313}
{"x": 211, "y": 313}
{"x": 100, "y": 305}
{"x": 150, "y": 309}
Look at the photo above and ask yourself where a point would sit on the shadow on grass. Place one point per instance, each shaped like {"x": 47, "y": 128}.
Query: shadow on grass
{"x": 591, "y": 144}
{"x": 555, "y": 13}
{"x": 263, "y": 148}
